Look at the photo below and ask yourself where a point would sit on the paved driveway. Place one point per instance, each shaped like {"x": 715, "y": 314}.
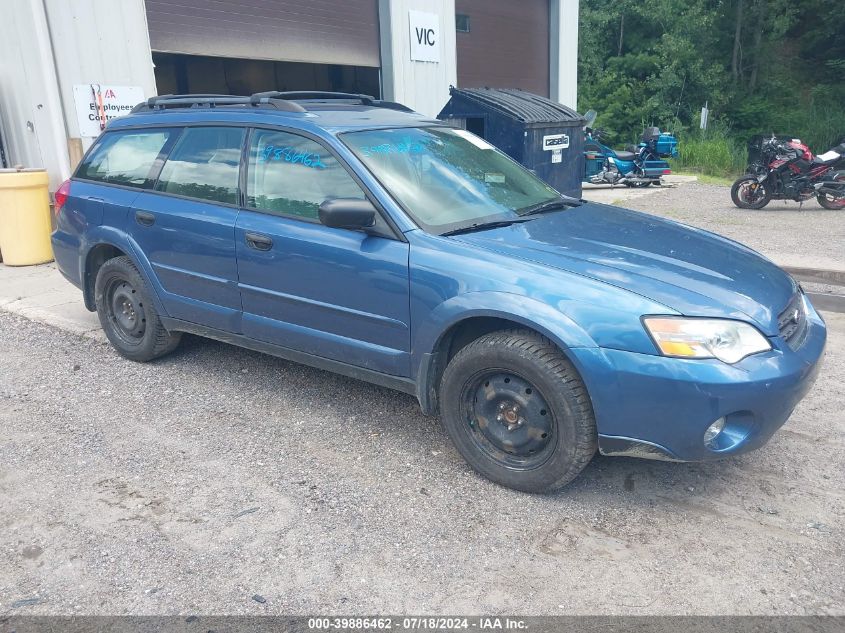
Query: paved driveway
{"x": 789, "y": 233}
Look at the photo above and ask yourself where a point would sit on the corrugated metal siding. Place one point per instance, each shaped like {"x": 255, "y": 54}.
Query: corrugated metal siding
{"x": 99, "y": 41}
{"x": 47, "y": 46}
{"x": 423, "y": 86}
{"x": 507, "y": 46}
{"x": 29, "y": 95}
{"x": 318, "y": 31}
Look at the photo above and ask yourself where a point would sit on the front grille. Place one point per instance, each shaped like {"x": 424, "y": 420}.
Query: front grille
{"x": 792, "y": 322}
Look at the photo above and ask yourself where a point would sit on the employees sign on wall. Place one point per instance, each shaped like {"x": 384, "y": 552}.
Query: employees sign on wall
{"x": 96, "y": 104}
{"x": 425, "y": 36}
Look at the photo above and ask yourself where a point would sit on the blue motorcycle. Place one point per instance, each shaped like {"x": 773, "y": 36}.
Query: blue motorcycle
{"x": 636, "y": 166}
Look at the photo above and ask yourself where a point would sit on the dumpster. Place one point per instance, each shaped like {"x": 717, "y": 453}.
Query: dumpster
{"x": 543, "y": 135}
{"x": 25, "y": 221}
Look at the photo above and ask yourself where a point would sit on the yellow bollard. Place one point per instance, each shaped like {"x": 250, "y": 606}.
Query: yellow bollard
{"x": 25, "y": 222}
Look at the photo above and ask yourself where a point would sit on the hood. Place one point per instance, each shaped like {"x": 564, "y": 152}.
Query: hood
{"x": 692, "y": 271}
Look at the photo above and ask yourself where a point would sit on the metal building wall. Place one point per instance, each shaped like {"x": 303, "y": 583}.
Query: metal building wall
{"x": 423, "y": 86}
{"x": 98, "y": 41}
{"x": 47, "y": 46}
{"x": 563, "y": 69}
{"x": 30, "y": 106}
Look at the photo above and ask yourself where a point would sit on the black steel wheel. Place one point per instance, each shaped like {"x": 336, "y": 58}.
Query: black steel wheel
{"x": 517, "y": 411}
{"x": 509, "y": 419}
{"x": 125, "y": 311}
{"x": 748, "y": 193}
{"x": 128, "y": 314}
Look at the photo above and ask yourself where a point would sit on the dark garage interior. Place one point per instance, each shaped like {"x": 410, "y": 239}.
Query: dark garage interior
{"x": 181, "y": 74}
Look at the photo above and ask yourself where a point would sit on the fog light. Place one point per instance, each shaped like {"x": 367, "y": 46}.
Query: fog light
{"x": 712, "y": 432}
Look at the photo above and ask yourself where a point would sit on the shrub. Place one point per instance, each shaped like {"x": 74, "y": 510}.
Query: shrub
{"x": 711, "y": 152}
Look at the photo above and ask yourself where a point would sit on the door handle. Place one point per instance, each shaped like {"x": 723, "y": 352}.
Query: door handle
{"x": 258, "y": 242}
{"x": 145, "y": 219}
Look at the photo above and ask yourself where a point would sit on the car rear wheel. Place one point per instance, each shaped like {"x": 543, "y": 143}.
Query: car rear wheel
{"x": 127, "y": 313}
{"x": 518, "y": 412}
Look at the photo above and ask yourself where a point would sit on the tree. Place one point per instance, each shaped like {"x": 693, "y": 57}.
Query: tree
{"x": 760, "y": 64}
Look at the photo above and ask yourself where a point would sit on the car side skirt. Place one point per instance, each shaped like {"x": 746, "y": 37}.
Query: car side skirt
{"x": 398, "y": 383}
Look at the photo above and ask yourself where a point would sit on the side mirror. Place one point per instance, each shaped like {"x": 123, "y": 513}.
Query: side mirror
{"x": 348, "y": 213}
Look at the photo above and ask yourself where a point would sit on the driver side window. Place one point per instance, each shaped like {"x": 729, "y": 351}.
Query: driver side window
{"x": 292, "y": 175}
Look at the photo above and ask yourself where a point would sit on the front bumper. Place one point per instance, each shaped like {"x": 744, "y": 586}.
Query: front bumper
{"x": 659, "y": 407}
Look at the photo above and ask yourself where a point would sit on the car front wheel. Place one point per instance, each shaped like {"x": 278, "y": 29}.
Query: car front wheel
{"x": 127, "y": 313}
{"x": 518, "y": 412}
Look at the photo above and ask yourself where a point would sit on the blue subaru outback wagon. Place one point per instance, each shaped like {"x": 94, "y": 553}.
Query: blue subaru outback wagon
{"x": 360, "y": 237}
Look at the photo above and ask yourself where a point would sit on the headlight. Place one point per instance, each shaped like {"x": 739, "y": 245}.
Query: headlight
{"x": 729, "y": 341}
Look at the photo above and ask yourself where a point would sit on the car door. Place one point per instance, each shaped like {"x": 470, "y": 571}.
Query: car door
{"x": 335, "y": 293}
{"x": 109, "y": 178}
{"x": 185, "y": 226}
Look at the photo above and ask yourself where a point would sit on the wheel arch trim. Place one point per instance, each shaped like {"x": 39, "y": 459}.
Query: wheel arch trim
{"x": 105, "y": 236}
{"x": 434, "y": 338}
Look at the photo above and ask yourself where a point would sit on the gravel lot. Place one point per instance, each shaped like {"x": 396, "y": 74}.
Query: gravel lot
{"x": 221, "y": 481}
{"x": 784, "y": 231}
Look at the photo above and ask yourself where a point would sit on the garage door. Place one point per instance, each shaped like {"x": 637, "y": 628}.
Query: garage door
{"x": 318, "y": 31}
{"x": 503, "y": 44}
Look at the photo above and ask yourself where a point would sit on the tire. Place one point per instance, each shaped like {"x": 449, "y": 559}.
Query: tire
{"x": 637, "y": 185}
{"x": 127, "y": 312}
{"x": 832, "y": 203}
{"x": 533, "y": 427}
{"x": 753, "y": 200}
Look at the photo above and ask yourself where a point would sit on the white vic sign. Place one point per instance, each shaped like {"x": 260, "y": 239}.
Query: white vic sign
{"x": 425, "y": 36}
{"x": 97, "y": 103}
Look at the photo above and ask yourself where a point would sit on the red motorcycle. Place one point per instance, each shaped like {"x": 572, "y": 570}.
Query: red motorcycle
{"x": 786, "y": 169}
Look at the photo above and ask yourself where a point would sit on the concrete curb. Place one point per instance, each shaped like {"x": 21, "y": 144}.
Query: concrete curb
{"x": 41, "y": 294}
{"x": 822, "y": 301}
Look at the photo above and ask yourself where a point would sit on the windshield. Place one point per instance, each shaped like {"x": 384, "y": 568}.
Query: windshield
{"x": 448, "y": 179}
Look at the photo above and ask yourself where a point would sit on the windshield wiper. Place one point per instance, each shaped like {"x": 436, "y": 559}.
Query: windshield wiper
{"x": 551, "y": 205}
{"x": 537, "y": 209}
{"x": 481, "y": 226}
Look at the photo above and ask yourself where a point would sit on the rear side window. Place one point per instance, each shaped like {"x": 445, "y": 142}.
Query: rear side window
{"x": 204, "y": 164}
{"x": 125, "y": 158}
{"x": 293, "y": 175}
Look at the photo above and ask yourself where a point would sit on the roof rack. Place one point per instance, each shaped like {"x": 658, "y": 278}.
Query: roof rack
{"x": 163, "y": 102}
{"x": 322, "y": 96}
{"x": 315, "y": 95}
{"x": 286, "y": 101}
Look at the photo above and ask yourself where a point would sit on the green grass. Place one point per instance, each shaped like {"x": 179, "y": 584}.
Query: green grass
{"x": 712, "y": 154}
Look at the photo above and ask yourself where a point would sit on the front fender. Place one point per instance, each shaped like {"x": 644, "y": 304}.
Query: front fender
{"x": 427, "y": 352}
{"x": 504, "y": 305}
